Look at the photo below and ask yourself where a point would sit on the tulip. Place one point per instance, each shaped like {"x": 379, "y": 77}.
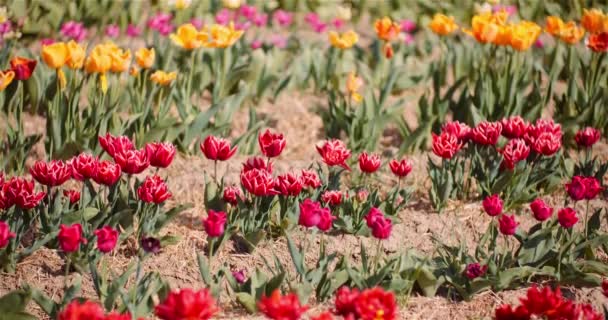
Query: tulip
{"x": 163, "y": 78}
{"x": 72, "y": 195}
{"x": 458, "y": 129}
{"x": 388, "y": 50}
{"x": 362, "y": 195}
{"x": 507, "y": 225}
{"x": 515, "y": 151}
{"x": 180, "y": 4}
{"x": 594, "y": 21}
{"x": 323, "y": 316}
{"x": 542, "y": 126}
{"x": 120, "y": 60}
{"x": 215, "y": 223}
{"x": 55, "y": 55}
{"x": 541, "y": 210}
{"x": 344, "y": 41}
{"x": 279, "y": 307}
{"x": 133, "y": 31}
{"x": 218, "y": 36}
{"x": 587, "y": 137}
{"x": 492, "y": 205}
{"x": 257, "y": 163}
{"x": 475, "y": 270}
{"x": 259, "y": 19}
{"x": 571, "y": 33}
{"x": 99, "y": 59}
{"x": 160, "y": 154}
{"x": 334, "y": 153}
{"x": 145, "y": 58}
{"x": 113, "y": 145}
{"x": 289, "y": 184}
{"x": 76, "y": 310}
{"x": 22, "y": 67}
{"x": 592, "y": 188}
{"x": 20, "y": 192}
{"x": 239, "y": 276}
{"x": 132, "y": 161}
{"x": 310, "y": 179}
{"x": 605, "y": 287}
{"x": 150, "y": 245}
{"x": 386, "y": 29}
{"x": 107, "y": 173}
{"x": 407, "y": 26}
{"x": 107, "y": 237}
{"x": 6, "y": 77}
{"x": 258, "y": 182}
{"x": 524, "y": 35}
{"x": 217, "y": 148}
{"x": 5, "y": 234}
{"x": 283, "y": 18}
{"x": 84, "y": 166}
{"x": 118, "y": 316}
{"x": 446, "y": 145}
{"x": 442, "y": 24}
{"x": 381, "y": 228}
{"x": 187, "y": 304}
{"x": 232, "y": 195}
{"x": 74, "y": 30}
{"x": 567, "y": 217}
{"x": 576, "y": 188}
{"x": 153, "y": 190}
{"x": 598, "y": 42}
{"x": 70, "y": 237}
{"x": 353, "y": 85}
{"x": 400, "y": 168}
{"x": 332, "y": 197}
{"x": 486, "y": 133}
{"x": 344, "y": 304}
{"x": 369, "y": 163}
{"x": 514, "y": 127}
{"x": 52, "y": 174}
{"x": 310, "y": 213}
{"x": 373, "y": 302}
{"x": 271, "y": 144}
{"x": 112, "y": 31}
{"x": 76, "y": 55}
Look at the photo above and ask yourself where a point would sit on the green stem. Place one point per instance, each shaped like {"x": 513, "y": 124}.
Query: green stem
{"x": 378, "y": 254}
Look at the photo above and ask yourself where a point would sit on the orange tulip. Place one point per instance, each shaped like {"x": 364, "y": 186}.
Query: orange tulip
{"x": 218, "y": 36}
{"x": 163, "y": 78}
{"x": 99, "y": 59}
{"x": 571, "y": 33}
{"x": 145, "y": 57}
{"x": 594, "y": 21}
{"x": 76, "y": 55}
{"x": 386, "y": 29}
{"x": 442, "y": 24}
{"x": 120, "y": 60}
{"x": 186, "y": 37}
{"x": 55, "y": 55}
{"x": 524, "y": 34}
{"x": 6, "y": 77}
{"x": 554, "y": 25}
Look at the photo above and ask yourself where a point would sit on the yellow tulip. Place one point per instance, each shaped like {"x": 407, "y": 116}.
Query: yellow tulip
{"x": 503, "y": 38}
{"x": 524, "y": 35}
{"x": 133, "y": 71}
{"x": 6, "y": 78}
{"x": 218, "y": 36}
{"x": 554, "y": 25}
{"x": 163, "y": 78}
{"x": 386, "y": 29}
{"x": 353, "y": 84}
{"x": 344, "y": 41}
{"x": 99, "y": 60}
{"x": 443, "y": 25}
{"x": 76, "y": 55}
{"x": 55, "y": 55}
{"x": 571, "y": 33}
{"x": 145, "y": 57}
{"x": 231, "y": 4}
{"x": 186, "y": 37}
{"x": 120, "y": 60}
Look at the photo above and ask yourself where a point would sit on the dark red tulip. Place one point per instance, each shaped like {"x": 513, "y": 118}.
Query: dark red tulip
{"x": 258, "y": 182}
{"x": 150, "y": 245}
{"x": 486, "y": 133}
{"x": 217, "y": 148}
{"x": 492, "y": 205}
{"x": 515, "y": 151}
{"x": 23, "y": 67}
{"x": 592, "y": 188}
{"x": 310, "y": 179}
{"x": 20, "y": 192}
{"x": 113, "y": 145}
{"x": 507, "y": 225}
{"x": 458, "y": 129}
{"x": 107, "y": 173}
{"x": 107, "y": 237}
{"x": 332, "y": 197}
{"x": 232, "y": 195}
{"x": 288, "y": 184}
{"x": 84, "y": 166}
{"x": 132, "y": 161}
{"x": 52, "y": 174}
{"x": 215, "y": 223}
{"x": 187, "y": 304}
{"x": 161, "y": 154}
{"x": 506, "y": 312}
{"x": 541, "y": 210}
{"x": 576, "y": 188}
{"x": 567, "y": 217}
{"x": 514, "y": 127}
{"x": 334, "y": 153}
{"x": 369, "y": 163}
{"x": 587, "y": 137}
{"x": 72, "y": 195}
{"x": 345, "y": 302}
{"x": 5, "y": 234}
{"x": 70, "y": 237}
{"x": 271, "y": 144}
{"x": 86, "y": 310}
{"x": 153, "y": 190}
{"x": 257, "y": 163}
{"x": 400, "y": 168}
{"x": 446, "y": 145}
{"x": 278, "y": 307}
{"x": 475, "y": 270}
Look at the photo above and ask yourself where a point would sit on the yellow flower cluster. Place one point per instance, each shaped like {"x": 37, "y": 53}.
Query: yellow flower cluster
{"x": 214, "y": 36}
{"x": 568, "y": 32}
{"x": 343, "y": 41}
{"x": 493, "y": 28}
{"x": 594, "y": 21}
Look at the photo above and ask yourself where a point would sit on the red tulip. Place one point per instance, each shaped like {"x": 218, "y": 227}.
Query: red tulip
{"x": 567, "y": 217}
{"x": 161, "y": 154}
{"x": 5, "y": 201}
{"x": 598, "y": 42}
{"x": 381, "y": 227}
{"x": 23, "y": 67}
{"x": 323, "y": 316}
{"x": 72, "y": 195}
{"x": 279, "y": 307}
{"x": 400, "y": 168}
{"x": 514, "y": 127}
{"x": 362, "y": 195}
{"x": 86, "y": 310}
{"x": 542, "y": 126}
{"x": 52, "y": 174}
{"x": 475, "y": 270}
{"x": 289, "y": 184}
{"x": 541, "y": 302}
{"x": 334, "y": 153}
{"x": 119, "y": 316}
{"x": 215, "y": 223}
{"x": 547, "y": 144}
{"x": 310, "y": 179}
{"x": 70, "y": 237}
{"x": 107, "y": 237}
{"x": 592, "y": 187}
{"x": 446, "y": 145}
{"x": 345, "y": 302}
{"x": 332, "y": 197}
{"x": 232, "y": 195}
{"x": 271, "y": 144}
{"x": 107, "y": 173}
{"x": 492, "y": 205}
{"x": 487, "y": 133}
{"x": 605, "y": 287}
{"x": 506, "y": 312}
{"x": 113, "y": 145}
{"x": 150, "y": 245}
{"x": 374, "y": 302}
{"x": 5, "y": 234}
{"x": 153, "y": 190}
{"x": 576, "y": 188}
{"x": 310, "y": 213}
{"x": 84, "y": 166}
{"x": 257, "y": 163}
{"x": 187, "y": 304}
{"x": 458, "y": 129}
{"x": 587, "y": 137}
{"x": 132, "y": 161}
{"x": 507, "y": 225}
{"x": 373, "y": 214}
{"x": 515, "y": 151}
{"x": 217, "y": 148}
{"x": 541, "y": 210}
{"x": 20, "y": 192}
{"x": 326, "y": 220}
{"x": 258, "y": 182}
{"x": 369, "y": 163}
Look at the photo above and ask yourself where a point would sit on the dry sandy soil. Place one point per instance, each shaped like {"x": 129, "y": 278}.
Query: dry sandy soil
{"x": 303, "y": 128}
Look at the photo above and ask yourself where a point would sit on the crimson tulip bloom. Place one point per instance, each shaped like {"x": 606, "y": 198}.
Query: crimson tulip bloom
{"x": 107, "y": 237}
{"x": 271, "y": 144}
{"x": 5, "y": 234}
{"x": 72, "y": 195}
{"x": 486, "y": 133}
{"x": 475, "y": 270}
{"x": 334, "y": 153}
{"x": 161, "y": 154}
{"x": 381, "y": 227}
{"x": 541, "y": 210}
{"x": 369, "y": 163}
{"x": 400, "y": 168}
{"x": 70, "y": 237}
{"x": 20, "y": 192}
{"x": 458, "y": 129}
{"x": 52, "y": 174}
{"x": 373, "y": 302}
{"x": 84, "y": 166}
{"x": 258, "y": 182}
{"x": 279, "y": 307}
{"x": 587, "y": 137}
{"x": 113, "y": 145}
{"x": 23, "y": 67}
{"x": 373, "y": 214}
{"x": 257, "y": 163}
{"x": 132, "y": 161}
{"x": 150, "y": 245}
{"x": 80, "y": 311}
{"x": 118, "y": 316}
{"x": 215, "y": 223}
{"x": 310, "y": 213}
{"x": 217, "y": 148}
{"x": 187, "y": 304}
{"x": 310, "y": 179}
{"x": 605, "y": 287}
{"x": 332, "y": 197}
{"x": 507, "y": 225}
{"x": 551, "y": 141}
{"x": 547, "y": 144}
{"x": 446, "y": 145}
{"x": 323, "y": 316}
{"x": 567, "y": 217}
{"x": 153, "y": 190}
{"x": 592, "y": 188}
{"x": 326, "y": 220}
{"x": 506, "y": 312}
{"x": 515, "y": 151}
{"x": 492, "y": 205}
{"x": 107, "y": 173}
{"x": 289, "y": 184}
{"x": 514, "y": 127}
{"x": 239, "y": 276}
{"x": 345, "y": 302}
{"x": 576, "y": 188}
{"x": 232, "y": 195}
